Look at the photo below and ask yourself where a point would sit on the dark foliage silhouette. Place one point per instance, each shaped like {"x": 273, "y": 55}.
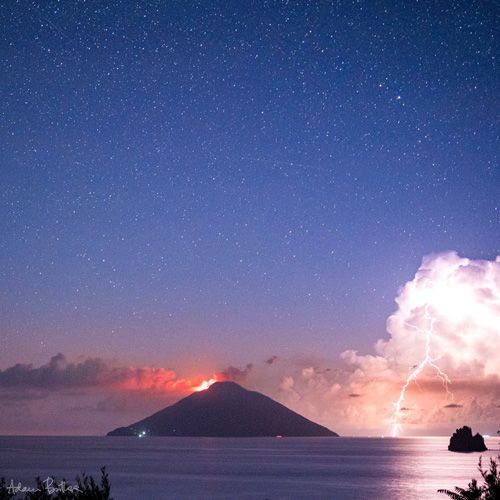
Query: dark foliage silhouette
{"x": 489, "y": 490}
{"x": 4, "y": 491}
{"x": 50, "y": 489}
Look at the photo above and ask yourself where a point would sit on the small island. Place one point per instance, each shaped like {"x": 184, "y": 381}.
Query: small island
{"x": 463, "y": 441}
{"x": 225, "y": 409}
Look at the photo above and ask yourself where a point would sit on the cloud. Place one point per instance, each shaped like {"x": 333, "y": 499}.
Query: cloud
{"x": 453, "y": 405}
{"x": 235, "y": 374}
{"x": 463, "y": 296}
{"x": 354, "y": 395}
{"x": 59, "y": 374}
{"x": 271, "y": 360}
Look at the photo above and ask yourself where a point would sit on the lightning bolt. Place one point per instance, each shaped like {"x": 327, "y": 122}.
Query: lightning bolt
{"x": 417, "y": 370}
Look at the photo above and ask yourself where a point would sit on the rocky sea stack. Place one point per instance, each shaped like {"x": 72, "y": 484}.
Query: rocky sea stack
{"x": 463, "y": 441}
{"x": 225, "y": 409}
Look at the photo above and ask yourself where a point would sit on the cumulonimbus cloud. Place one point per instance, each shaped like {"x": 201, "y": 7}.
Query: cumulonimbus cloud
{"x": 458, "y": 300}
{"x": 463, "y": 297}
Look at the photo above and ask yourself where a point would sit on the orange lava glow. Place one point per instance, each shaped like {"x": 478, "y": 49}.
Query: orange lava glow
{"x": 205, "y": 384}
{"x": 162, "y": 380}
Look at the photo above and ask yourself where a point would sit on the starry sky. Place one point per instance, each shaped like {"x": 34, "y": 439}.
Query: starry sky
{"x": 193, "y": 184}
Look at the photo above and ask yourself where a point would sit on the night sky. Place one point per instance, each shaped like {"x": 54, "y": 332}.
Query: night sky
{"x": 194, "y": 184}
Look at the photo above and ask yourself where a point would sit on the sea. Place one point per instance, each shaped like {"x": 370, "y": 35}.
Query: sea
{"x": 156, "y": 468}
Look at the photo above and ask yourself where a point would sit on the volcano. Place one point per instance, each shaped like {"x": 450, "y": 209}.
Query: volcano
{"x": 225, "y": 409}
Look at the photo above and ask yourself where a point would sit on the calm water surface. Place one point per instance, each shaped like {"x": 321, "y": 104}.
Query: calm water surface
{"x": 254, "y": 468}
